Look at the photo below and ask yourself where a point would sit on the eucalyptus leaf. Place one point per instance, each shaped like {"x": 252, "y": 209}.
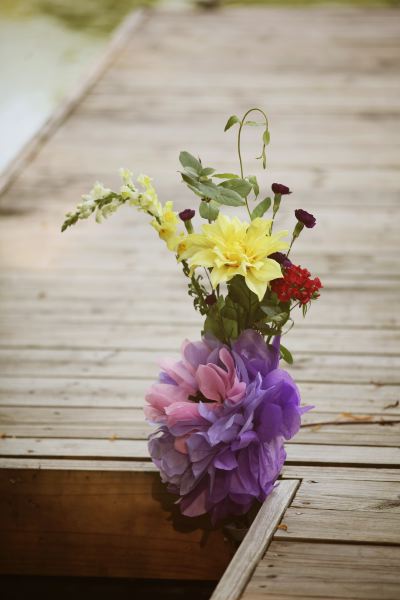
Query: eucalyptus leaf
{"x": 231, "y": 121}
{"x": 209, "y": 190}
{"x": 229, "y": 197}
{"x": 195, "y": 190}
{"x": 207, "y": 171}
{"x": 240, "y": 186}
{"x": 226, "y": 176}
{"x": 261, "y": 208}
{"x": 209, "y": 210}
{"x": 191, "y": 172}
{"x": 286, "y": 355}
{"x": 189, "y": 179}
{"x": 188, "y": 160}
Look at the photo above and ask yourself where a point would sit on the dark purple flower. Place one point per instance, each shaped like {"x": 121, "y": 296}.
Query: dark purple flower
{"x": 222, "y": 453}
{"x": 279, "y": 188}
{"x": 187, "y": 214}
{"x": 305, "y": 217}
{"x": 210, "y": 299}
{"x": 281, "y": 258}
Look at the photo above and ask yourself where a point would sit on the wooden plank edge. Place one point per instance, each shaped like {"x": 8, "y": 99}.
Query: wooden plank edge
{"x": 59, "y": 115}
{"x": 254, "y": 545}
{"x": 76, "y": 465}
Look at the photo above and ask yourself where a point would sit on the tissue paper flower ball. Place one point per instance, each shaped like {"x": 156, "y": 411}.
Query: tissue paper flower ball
{"x": 223, "y": 415}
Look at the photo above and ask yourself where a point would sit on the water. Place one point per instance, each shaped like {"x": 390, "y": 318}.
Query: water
{"x": 46, "y": 47}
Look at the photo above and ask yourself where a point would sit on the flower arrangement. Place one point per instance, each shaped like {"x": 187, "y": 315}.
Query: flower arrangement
{"x": 224, "y": 411}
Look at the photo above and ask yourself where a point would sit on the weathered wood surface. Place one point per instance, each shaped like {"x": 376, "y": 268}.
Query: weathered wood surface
{"x": 255, "y": 543}
{"x": 85, "y": 316}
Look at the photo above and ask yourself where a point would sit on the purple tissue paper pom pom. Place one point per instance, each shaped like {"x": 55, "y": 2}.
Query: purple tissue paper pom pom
{"x": 223, "y": 416}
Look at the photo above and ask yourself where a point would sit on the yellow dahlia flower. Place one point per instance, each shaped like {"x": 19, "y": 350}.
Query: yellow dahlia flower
{"x": 232, "y": 247}
{"x": 167, "y": 226}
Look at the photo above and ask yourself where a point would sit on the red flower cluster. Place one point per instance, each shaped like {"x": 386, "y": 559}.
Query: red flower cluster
{"x": 296, "y": 284}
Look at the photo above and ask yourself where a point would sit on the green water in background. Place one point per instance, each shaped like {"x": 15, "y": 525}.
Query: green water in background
{"x": 93, "y": 16}
{"x": 47, "y": 46}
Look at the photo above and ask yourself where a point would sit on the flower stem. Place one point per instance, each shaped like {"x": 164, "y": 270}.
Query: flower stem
{"x": 242, "y": 122}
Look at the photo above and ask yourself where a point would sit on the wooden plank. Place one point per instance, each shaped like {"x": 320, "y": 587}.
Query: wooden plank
{"x": 94, "y": 393}
{"x": 130, "y": 424}
{"x": 360, "y": 495}
{"x": 345, "y": 429}
{"x": 105, "y": 332}
{"x": 257, "y": 539}
{"x": 306, "y": 570}
{"x": 335, "y": 525}
{"x": 344, "y": 510}
{"x": 311, "y": 473}
{"x": 107, "y": 449}
{"x": 178, "y": 309}
{"x": 65, "y": 464}
{"x": 102, "y": 393}
{"x": 74, "y": 448}
{"x": 342, "y": 455}
{"x": 117, "y": 363}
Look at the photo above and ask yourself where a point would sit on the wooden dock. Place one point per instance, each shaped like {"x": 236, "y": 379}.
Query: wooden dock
{"x": 86, "y": 315}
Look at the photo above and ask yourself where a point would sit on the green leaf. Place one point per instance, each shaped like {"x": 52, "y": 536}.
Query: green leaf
{"x": 195, "y": 190}
{"x": 280, "y": 319}
{"x": 265, "y": 329}
{"x": 286, "y": 355}
{"x": 187, "y": 160}
{"x": 189, "y": 179}
{"x": 240, "y": 186}
{"x": 209, "y": 210}
{"x": 229, "y": 197}
{"x": 253, "y": 123}
{"x": 270, "y": 310}
{"x": 231, "y": 121}
{"x": 230, "y": 328}
{"x": 266, "y": 137}
{"x": 275, "y": 314}
{"x": 261, "y": 208}
{"x": 245, "y": 300}
{"x": 226, "y": 176}
{"x": 263, "y": 157}
{"x": 191, "y": 172}
{"x": 252, "y": 179}
{"x": 213, "y": 323}
{"x": 207, "y": 171}
{"x": 208, "y": 190}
